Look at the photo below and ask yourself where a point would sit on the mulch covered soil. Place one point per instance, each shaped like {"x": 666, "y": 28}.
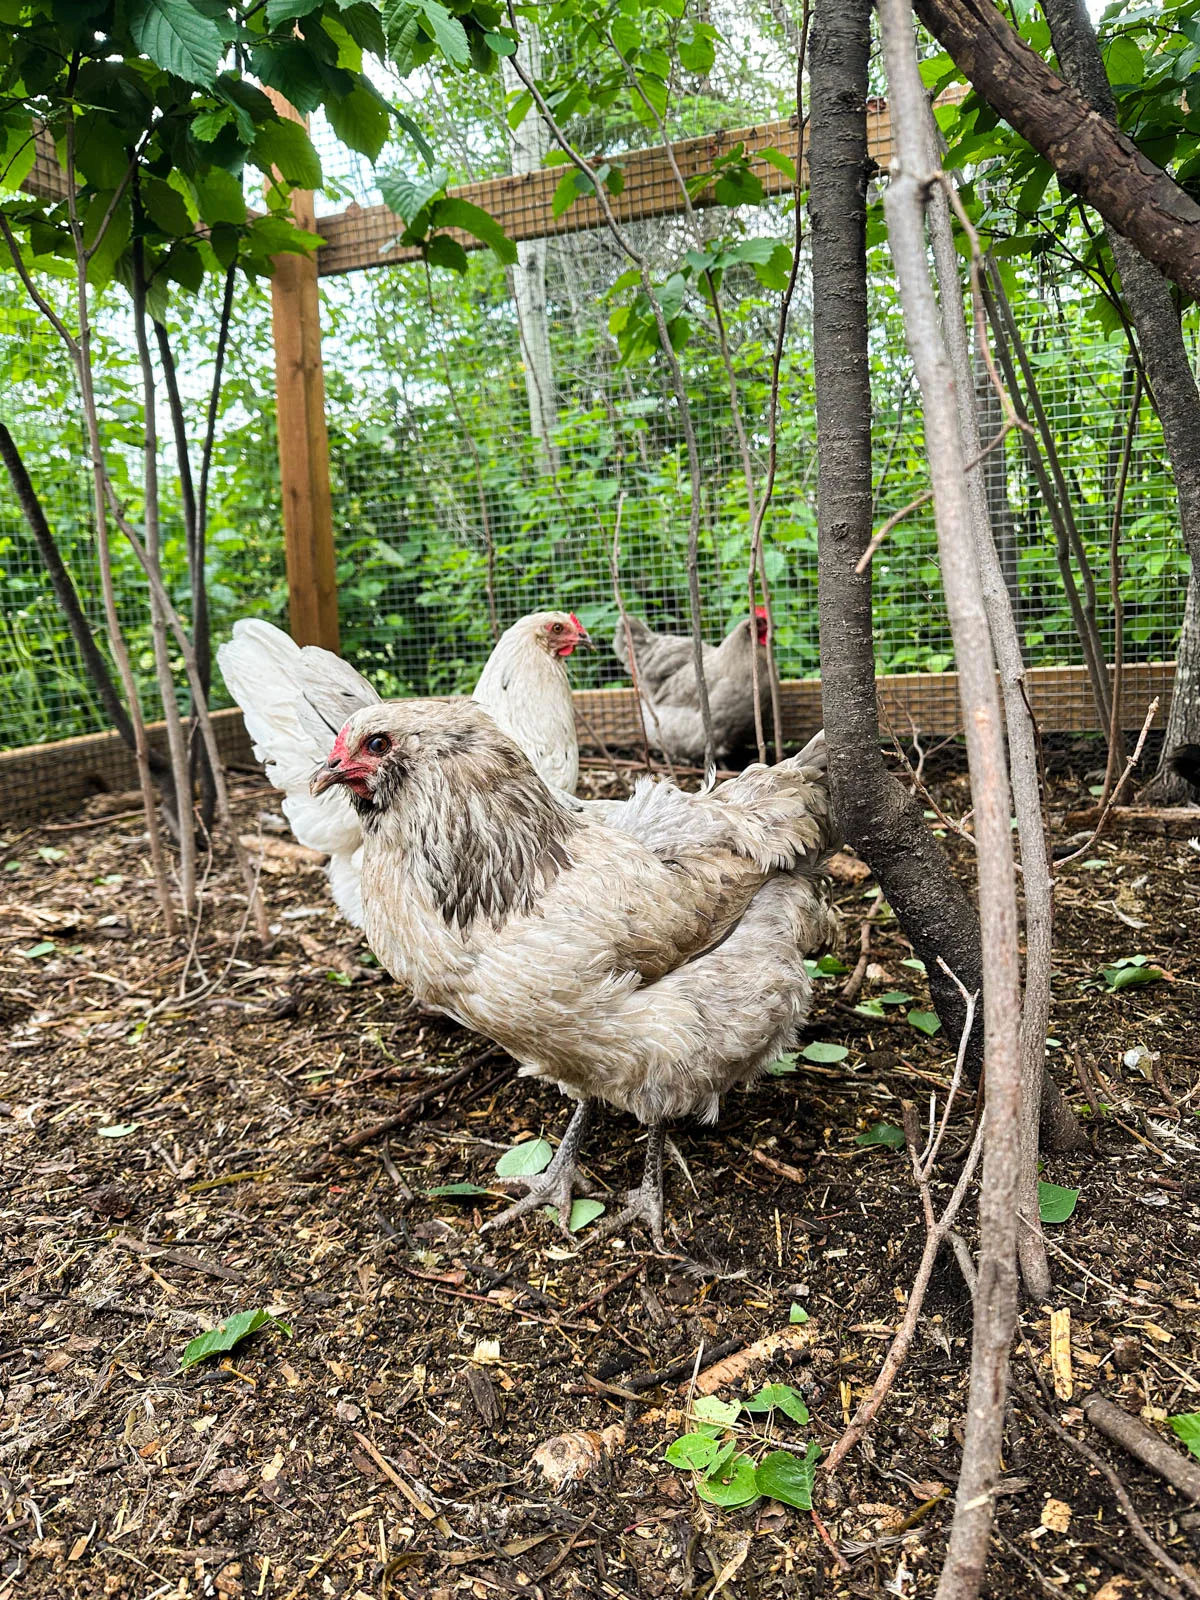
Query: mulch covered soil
{"x": 171, "y": 1161}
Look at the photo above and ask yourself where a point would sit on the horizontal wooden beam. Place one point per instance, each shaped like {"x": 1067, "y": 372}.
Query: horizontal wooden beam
{"x": 362, "y": 236}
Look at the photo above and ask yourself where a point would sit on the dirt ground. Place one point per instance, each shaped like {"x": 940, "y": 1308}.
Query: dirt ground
{"x": 169, "y": 1161}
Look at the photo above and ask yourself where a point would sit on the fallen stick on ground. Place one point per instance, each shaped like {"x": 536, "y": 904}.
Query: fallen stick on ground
{"x": 731, "y": 1368}
{"x": 1141, "y": 1442}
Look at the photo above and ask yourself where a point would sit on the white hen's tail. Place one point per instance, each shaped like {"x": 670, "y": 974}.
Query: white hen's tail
{"x": 295, "y": 702}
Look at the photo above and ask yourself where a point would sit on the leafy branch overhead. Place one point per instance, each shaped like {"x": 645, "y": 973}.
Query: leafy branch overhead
{"x": 164, "y": 110}
{"x": 426, "y": 210}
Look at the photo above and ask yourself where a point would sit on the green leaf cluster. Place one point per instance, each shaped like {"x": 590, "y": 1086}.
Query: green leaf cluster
{"x": 726, "y": 1474}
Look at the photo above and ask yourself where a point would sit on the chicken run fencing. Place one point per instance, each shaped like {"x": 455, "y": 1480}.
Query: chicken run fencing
{"x": 451, "y": 516}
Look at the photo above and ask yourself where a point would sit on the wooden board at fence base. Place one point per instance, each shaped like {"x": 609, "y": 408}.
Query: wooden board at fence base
{"x": 43, "y": 781}
{"x": 1060, "y": 696}
{"x": 48, "y": 780}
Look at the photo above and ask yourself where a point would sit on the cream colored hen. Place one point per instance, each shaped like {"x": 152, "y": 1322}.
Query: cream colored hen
{"x": 295, "y": 699}
{"x": 653, "y": 966}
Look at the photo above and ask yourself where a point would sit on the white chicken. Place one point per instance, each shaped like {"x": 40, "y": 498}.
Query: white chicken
{"x": 295, "y": 699}
{"x": 652, "y": 966}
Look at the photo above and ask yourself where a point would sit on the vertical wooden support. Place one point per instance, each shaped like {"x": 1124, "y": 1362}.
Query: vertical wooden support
{"x": 303, "y": 439}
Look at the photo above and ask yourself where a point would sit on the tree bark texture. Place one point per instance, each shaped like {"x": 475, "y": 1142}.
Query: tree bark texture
{"x": 876, "y": 813}
{"x": 995, "y": 1301}
{"x": 1168, "y": 366}
{"x": 1088, "y": 151}
{"x": 1021, "y": 730}
{"x": 530, "y": 142}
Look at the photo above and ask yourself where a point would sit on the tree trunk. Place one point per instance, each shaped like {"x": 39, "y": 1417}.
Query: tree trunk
{"x": 1168, "y": 367}
{"x": 948, "y": 406}
{"x": 1183, "y": 719}
{"x": 530, "y": 143}
{"x": 877, "y": 815}
{"x": 1089, "y": 153}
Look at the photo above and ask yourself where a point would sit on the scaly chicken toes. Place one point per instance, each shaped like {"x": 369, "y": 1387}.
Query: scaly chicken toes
{"x": 561, "y": 1182}
{"x": 645, "y": 1203}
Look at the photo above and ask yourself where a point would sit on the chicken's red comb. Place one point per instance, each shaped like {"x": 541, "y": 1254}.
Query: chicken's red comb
{"x": 761, "y": 611}
{"x": 579, "y": 627}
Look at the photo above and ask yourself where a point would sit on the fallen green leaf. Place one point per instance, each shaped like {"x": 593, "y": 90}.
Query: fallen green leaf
{"x": 450, "y": 1190}
{"x": 695, "y": 1452}
{"x": 525, "y": 1160}
{"x": 1055, "y": 1204}
{"x": 797, "y": 1313}
{"x": 927, "y": 1021}
{"x": 822, "y": 1050}
{"x": 118, "y": 1130}
{"x": 1187, "y": 1427}
{"x": 882, "y": 1133}
{"x": 779, "y": 1397}
{"x": 583, "y": 1212}
{"x": 709, "y": 1409}
{"x": 1131, "y": 975}
{"x": 46, "y": 948}
{"x": 736, "y": 1486}
{"x": 895, "y": 997}
{"x": 786, "y": 1063}
{"x": 230, "y": 1333}
{"x": 787, "y": 1477}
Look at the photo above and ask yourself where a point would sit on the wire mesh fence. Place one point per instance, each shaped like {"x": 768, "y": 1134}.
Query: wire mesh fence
{"x": 447, "y": 509}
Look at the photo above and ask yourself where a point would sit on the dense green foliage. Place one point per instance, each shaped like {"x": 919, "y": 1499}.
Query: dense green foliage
{"x": 424, "y": 376}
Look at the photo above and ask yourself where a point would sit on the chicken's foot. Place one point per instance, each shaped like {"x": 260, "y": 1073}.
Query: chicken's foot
{"x": 561, "y": 1181}
{"x": 645, "y": 1203}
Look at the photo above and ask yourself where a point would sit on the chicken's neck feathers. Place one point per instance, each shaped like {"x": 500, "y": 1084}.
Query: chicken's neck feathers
{"x": 481, "y": 845}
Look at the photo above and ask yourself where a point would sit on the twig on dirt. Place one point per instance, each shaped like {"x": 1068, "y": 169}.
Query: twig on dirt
{"x": 853, "y": 985}
{"x": 728, "y": 1365}
{"x": 842, "y": 1564}
{"x": 937, "y": 1230}
{"x": 412, "y": 1108}
{"x": 1118, "y": 789}
{"x": 1136, "y": 1526}
{"x": 171, "y": 1516}
{"x": 1141, "y": 1442}
{"x": 179, "y": 1258}
{"x": 609, "y": 1288}
{"x": 298, "y": 1586}
{"x": 562, "y": 1555}
{"x": 781, "y": 1169}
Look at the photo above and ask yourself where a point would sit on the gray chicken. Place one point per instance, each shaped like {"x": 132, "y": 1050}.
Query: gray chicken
{"x": 666, "y": 678}
{"x": 653, "y": 966}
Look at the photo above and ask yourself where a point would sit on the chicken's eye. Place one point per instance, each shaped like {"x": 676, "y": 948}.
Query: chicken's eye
{"x": 378, "y": 744}
{"x": 556, "y": 627}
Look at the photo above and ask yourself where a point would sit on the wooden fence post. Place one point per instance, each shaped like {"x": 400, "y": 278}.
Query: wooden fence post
{"x": 303, "y": 439}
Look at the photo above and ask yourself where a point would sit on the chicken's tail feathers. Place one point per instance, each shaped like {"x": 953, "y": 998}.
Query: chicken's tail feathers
{"x": 1184, "y": 761}
{"x": 287, "y": 704}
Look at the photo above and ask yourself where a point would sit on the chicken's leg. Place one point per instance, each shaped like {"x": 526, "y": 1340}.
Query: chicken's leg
{"x": 561, "y": 1181}
{"x": 645, "y": 1203}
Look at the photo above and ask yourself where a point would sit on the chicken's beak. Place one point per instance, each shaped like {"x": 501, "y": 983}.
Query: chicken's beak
{"x": 585, "y": 638}
{"x": 332, "y": 772}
